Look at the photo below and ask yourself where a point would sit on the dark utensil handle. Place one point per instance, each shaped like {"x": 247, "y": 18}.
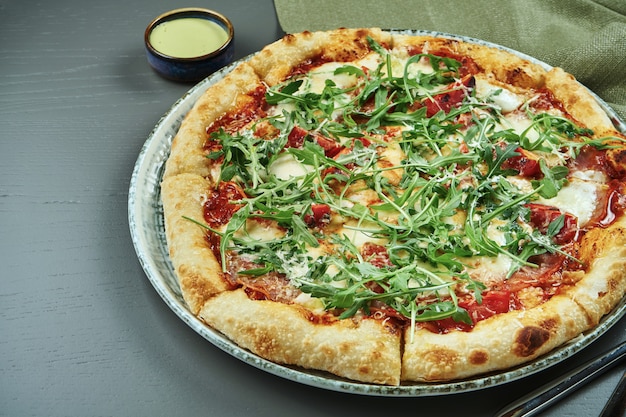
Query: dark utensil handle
{"x": 549, "y": 394}
{"x": 616, "y": 406}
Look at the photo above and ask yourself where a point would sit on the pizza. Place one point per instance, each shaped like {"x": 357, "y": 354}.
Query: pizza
{"x": 394, "y": 208}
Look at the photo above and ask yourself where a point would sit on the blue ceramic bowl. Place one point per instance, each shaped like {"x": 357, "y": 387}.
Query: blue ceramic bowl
{"x": 195, "y": 68}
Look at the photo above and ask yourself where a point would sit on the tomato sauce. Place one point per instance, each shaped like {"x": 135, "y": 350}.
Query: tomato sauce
{"x": 612, "y": 202}
{"x": 219, "y": 206}
{"x": 541, "y": 216}
{"x": 319, "y": 217}
{"x": 493, "y": 302}
{"x": 545, "y": 101}
{"x": 615, "y": 203}
{"x": 468, "y": 65}
{"x": 296, "y": 137}
{"x": 308, "y": 64}
{"x": 231, "y": 122}
{"x": 526, "y": 163}
{"x": 450, "y": 99}
{"x": 375, "y": 254}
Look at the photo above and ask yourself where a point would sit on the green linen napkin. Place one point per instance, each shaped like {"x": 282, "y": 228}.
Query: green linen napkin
{"x": 586, "y": 38}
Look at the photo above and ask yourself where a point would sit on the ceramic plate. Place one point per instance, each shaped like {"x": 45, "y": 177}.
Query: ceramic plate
{"x": 148, "y": 234}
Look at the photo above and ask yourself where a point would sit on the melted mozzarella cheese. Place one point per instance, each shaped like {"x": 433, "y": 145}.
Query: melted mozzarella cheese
{"x": 520, "y": 123}
{"x": 495, "y": 233}
{"x": 370, "y": 61}
{"x": 501, "y": 97}
{"x": 578, "y": 197}
{"x": 260, "y": 231}
{"x": 281, "y": 108}
{"x": 590, "y": 175}
{"x": 489, "y": 270}
{"x": 286, "y": 166}
{"x": 392, "y": 156}
{"x": 420, "y": 67}
{"x": 523, "y": 184}
{"x": 311, "y": 303}
{"x": 296, "y": 266}
{"x": 317, "y": 78}
{"x": 360, "y": 238}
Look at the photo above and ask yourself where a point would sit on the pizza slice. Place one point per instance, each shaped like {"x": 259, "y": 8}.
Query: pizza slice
{"x": 264, "y": 312}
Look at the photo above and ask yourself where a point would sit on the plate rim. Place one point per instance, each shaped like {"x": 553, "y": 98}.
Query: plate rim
{"x": 146, "y": 176}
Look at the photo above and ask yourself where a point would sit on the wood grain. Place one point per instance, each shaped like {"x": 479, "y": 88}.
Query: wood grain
{"x": 82, "y": 332}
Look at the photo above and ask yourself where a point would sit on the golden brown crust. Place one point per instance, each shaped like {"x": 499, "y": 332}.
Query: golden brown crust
{"x": 496, "y": 63}
{"x": 198, "y": 271}
{"x": 275, "y": 62}
{"x": 365, "y": 350}
{"x": 579, "y": 102}
{"x": 605, "y": 283}
{"x": 505, "y": 67}
{"x": 500, "y": 342}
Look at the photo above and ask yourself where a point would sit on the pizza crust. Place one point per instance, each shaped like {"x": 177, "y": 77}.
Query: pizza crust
{"x": 199, "y": 274}
{"x": 275, "y": 62}
{"x": 605, "y": 284}
{"x": 363, "y": 350}
{"x": 497, "y": 64}
{"x": 579, "y": 102}
{"x": 500, "y": 342}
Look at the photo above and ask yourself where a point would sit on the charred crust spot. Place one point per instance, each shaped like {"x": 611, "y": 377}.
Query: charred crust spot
{"x": 529, "y": 340}
{"x": 344, "y": 348}
{"x": 376, "y": 353}
{"x": 365, "y": 370}
{"x": 617, "y": 161}
{"x": 347, "y": 56}
{"x": 361, "y": 33}
{"x": 289, "y": 38}
{"x": 549, "y": 324}
{"x": 479, "y": 357}
{"x": 613, "y": 284}
{"x": 514, "y": 75}
{"x": 327, "y": 351}
{"x": 451, "y": 44}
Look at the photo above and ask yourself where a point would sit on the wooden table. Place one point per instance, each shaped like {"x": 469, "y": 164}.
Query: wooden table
{"x": 82, "y": 331}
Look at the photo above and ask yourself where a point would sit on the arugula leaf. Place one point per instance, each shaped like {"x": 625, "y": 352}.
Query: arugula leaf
{"x": 237, "y": 221}
{"x": 553, "y": 180}
{"x": 350, "y": 70}
{"x": 275, "y": 96}
{"x": 301, "y": 232}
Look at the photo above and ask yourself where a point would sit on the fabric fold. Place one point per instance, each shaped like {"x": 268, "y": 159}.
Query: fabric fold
{"x": 586, "y": 38}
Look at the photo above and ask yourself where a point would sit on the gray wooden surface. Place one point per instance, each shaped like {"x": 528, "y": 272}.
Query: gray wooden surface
{"x": 82, "y": 331}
